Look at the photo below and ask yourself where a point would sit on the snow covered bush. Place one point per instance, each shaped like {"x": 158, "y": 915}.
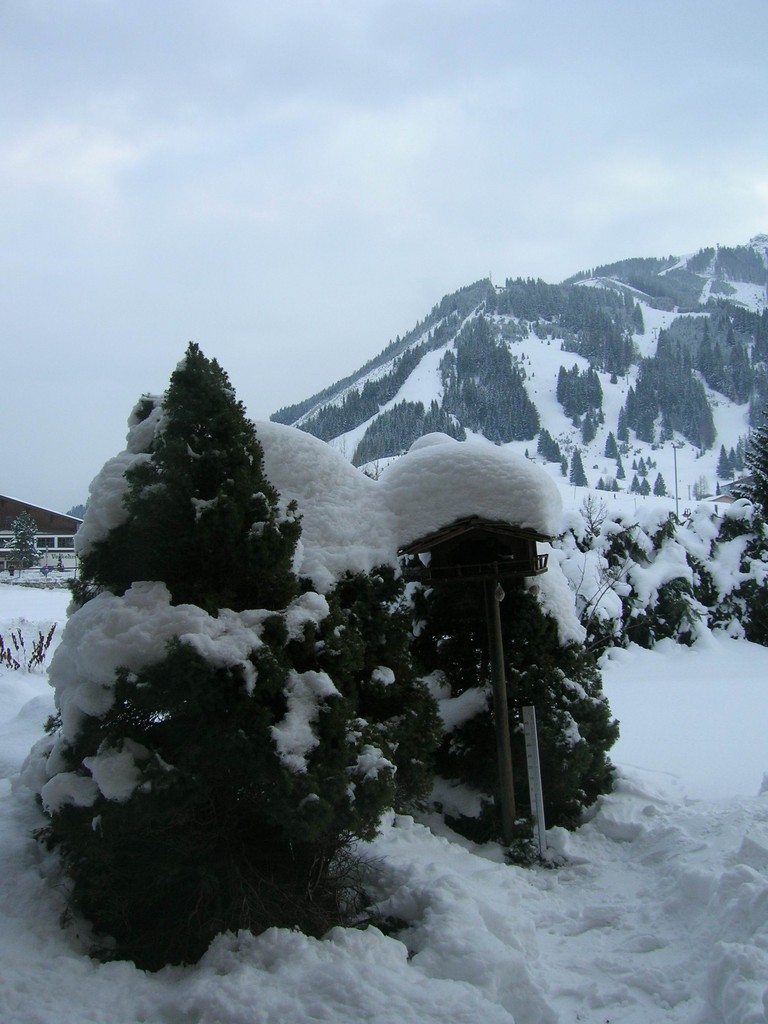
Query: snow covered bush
{"x": 212, "y": 759}
{"x": 649, "y": 577}
{"x": 544, "y": 668}
{"x": 398, "y": 705}
{"x": 756, "y": 489}
{"x": 442, "y": 483}
{"x": 632, "y": 578}
{"x": 730, "y": 560}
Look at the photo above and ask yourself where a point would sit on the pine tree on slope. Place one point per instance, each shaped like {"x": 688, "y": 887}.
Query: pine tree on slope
{"x": 577, "y": 476}
{"x": 724, "y": 465}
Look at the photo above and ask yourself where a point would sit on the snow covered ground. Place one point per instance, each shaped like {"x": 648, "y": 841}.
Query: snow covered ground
{"x": 658, "y": 913}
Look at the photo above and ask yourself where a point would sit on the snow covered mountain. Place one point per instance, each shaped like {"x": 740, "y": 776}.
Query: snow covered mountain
{"x": 601, "y": 373}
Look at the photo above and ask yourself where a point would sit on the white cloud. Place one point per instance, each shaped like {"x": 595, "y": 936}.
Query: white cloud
{"x": 66, "y": 157}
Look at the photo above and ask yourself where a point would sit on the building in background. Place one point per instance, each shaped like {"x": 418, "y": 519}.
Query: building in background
{"x": 55, "y": 533}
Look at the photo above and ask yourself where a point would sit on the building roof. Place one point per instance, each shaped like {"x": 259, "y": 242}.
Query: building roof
{"x": 45, "y": 518}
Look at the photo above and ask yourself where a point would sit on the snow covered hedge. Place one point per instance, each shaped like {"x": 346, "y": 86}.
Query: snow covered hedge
{"x": 646, "y": 577}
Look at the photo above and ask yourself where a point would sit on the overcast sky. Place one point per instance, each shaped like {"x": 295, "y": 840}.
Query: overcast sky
{"x": 293, "y": 183}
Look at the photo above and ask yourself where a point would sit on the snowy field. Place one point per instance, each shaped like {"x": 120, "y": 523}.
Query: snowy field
{"x": 658, "y": 913}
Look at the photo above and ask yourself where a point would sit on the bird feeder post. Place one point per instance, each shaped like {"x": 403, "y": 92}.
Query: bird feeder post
{"x": 473, "y": 551}
{"x": 494, "y": 595}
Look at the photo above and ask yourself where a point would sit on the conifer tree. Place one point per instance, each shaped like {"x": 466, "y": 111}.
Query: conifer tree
{"x": 638, "y": 324}
{"x": 560, "y": 679}
{"x": 588, "y": 429}
{"x": 747, "y": 604}
{"x": 244, "y": 763}
{"x": 548, "y": 448}
{"x": 757, "y": 463}
{"x": 201, "y": 516}
{"x": 739, "y": 455}
{"x": 577, "y": 476}
{"x": 23, "y": 553}
{"x": 724, "y": 465}
{"x": 659, "y": 487}
{"x": 398, "y": 707}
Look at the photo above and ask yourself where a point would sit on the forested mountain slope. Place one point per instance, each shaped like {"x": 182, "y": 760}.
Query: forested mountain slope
{"x": 601, "y": 370}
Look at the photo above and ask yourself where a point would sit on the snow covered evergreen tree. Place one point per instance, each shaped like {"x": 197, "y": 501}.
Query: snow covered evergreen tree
{"x": 577, "y": 475}
{"x": 742, "y": 607}
{"x": 637, "y": 584}
{"x": 24, "y": 543}
{"x": 401, "y": 712}
{"x": 757, "y": 463}
{"x": 210, "y": 764}
{"x": 724, "y": 465}
{"x": 200, "y": 515}
{"x": 559, "y": 678}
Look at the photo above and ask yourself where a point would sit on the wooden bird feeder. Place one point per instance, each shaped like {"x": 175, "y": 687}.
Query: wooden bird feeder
{"x": 476, "y": 549}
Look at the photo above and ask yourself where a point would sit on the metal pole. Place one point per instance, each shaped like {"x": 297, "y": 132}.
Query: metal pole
{"x": 535, "y": 788}
{"x": 674, "y": 449}
{"x": 494, "y": 595}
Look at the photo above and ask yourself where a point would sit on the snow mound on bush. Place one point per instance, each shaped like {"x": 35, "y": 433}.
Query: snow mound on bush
{"x": 437, "y": 483}
{"x": 344, "y": 525}
{"x": 353, "y": 523}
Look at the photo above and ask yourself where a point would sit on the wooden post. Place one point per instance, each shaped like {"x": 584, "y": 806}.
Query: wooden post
{"x": 494, "y": 595}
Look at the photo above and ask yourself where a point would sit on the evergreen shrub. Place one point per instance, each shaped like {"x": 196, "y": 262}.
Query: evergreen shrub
{"x": 560, "y": 680}
{"x": 221, "y": 784}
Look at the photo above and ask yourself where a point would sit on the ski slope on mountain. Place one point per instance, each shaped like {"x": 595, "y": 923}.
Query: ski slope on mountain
{"x": 542, "y": 360}
{"x": 705, "y": 283}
